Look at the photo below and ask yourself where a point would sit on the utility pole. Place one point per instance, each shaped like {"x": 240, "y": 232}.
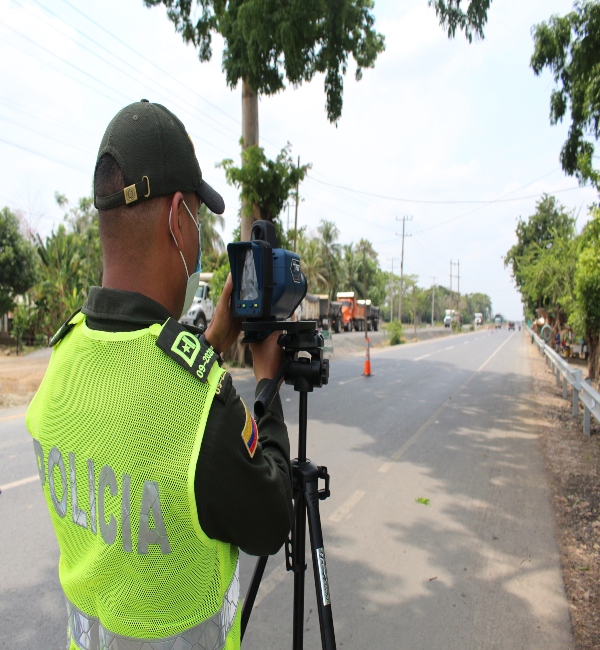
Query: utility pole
{"x": 365, "y": 289}
{"x": 432, "y": 298}
{"x": 404, "y": 219}
{"x": 458, "y": 290}
{"x": 450, "y": 284}
{"x": 392, "y": 289}
{"x": 415, "y": 308}
{"x": 296, "y": 217}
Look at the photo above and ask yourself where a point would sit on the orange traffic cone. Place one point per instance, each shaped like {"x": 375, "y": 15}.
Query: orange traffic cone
{"x": 367, "y": 369}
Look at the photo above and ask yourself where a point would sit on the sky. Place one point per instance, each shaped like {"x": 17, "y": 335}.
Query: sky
{"x": 455, "y": 136}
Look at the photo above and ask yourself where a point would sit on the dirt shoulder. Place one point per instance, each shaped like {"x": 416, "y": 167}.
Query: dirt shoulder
{"x": 573, "y": 462}
{"x": 20, "y": 377}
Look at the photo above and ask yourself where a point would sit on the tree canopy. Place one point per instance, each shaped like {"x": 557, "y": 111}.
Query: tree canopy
{"x": 18, "y": 260}
{"x": 569, "y": 47}
{"x": 265, "y": 184}
{"x": 534, "y": 235}
{"x": 452, "y": 16}
{"x": 268, "y": 42}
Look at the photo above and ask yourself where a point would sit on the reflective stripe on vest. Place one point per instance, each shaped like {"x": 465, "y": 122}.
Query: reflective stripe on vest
{"x": 88, "y": 634}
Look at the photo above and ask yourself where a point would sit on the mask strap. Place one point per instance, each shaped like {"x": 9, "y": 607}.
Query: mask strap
{"x": 176, "y": 244}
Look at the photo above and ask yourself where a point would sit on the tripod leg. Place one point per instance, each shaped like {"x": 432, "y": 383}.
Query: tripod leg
{"x": 259, "y": 569}
{"x": 299, "y": 564}
{"x": 320, "y": 567}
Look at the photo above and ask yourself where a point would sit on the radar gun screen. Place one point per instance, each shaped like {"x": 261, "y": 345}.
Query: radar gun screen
{"x": 249, "y": 284}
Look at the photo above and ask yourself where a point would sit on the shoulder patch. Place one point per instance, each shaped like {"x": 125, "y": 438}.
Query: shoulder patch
{"x": 250, "y": 434}
{"x": 186, "y": 349}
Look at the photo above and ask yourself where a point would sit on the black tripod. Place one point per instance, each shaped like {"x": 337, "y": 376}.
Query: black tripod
{"x": 304, "y": 368}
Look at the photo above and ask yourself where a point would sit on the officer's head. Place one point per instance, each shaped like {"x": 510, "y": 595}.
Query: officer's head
{"x": 148, "y": 188}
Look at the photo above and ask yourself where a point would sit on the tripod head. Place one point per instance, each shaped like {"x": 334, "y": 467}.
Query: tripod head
{"x": 303, "y": 365}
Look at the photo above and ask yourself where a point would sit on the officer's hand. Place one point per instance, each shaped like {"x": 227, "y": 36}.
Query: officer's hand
{"x": 267, "y": 357}
{"x": 224, "y": 328}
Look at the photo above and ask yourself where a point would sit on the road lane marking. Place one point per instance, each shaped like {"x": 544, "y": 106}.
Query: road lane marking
{"x": 400, "y": 452}
{"x": 424, "y": 356}
{"x": 345, "y": 508}
{"x": 450, "y": 347}
{"x": 12, "y": 417}
{"x": 23, "y": 481}
{"x": 341, "y": 383}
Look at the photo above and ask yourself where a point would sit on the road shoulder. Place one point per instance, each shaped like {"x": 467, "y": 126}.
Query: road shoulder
{"x": 573, "y": 463}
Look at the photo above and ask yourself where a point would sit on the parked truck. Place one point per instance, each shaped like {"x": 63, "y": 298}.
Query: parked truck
{"x": 358, "y": 314}
{"x": 478, "y": 318}
{"x": 202, "y": 309}
{"x": 327, "y": 313}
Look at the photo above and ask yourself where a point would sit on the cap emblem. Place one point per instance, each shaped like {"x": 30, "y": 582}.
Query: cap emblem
{"x": 130, "y": 194}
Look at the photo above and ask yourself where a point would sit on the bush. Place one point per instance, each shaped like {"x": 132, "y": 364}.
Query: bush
{"x": 396, "y": 332}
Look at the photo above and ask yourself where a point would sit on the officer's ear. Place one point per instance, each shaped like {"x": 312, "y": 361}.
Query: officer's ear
{"x": 176, "y": 218}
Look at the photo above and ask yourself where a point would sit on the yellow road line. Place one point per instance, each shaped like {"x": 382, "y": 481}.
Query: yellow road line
{"x": 12, "y": 417}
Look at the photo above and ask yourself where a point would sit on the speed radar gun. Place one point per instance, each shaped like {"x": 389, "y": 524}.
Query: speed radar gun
{"x": 268, "y": 286}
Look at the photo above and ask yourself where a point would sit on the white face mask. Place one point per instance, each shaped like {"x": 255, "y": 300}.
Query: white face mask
{"x": 193, "y": 279}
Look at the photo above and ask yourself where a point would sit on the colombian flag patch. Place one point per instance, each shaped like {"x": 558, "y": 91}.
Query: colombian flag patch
{"x": 250, "y": 434}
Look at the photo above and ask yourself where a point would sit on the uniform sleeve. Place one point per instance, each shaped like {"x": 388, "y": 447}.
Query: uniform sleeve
{"x": 244, "y": 491}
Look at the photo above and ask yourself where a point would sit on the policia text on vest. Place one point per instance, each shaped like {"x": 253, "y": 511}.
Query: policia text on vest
{"x": 103, "y": 487}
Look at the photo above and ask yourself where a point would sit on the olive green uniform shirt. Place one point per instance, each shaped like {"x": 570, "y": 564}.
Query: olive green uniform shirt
{"x": 241, "y": 499}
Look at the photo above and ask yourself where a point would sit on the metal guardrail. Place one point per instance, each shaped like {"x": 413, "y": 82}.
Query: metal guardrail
{"x": 569, "y": 376}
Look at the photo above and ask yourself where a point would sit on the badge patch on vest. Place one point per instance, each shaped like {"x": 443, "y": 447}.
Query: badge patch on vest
{"x": 250, "y": 434}
{"x": 184, "y": 348}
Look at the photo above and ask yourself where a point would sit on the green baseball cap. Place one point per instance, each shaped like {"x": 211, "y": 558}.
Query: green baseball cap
{"x": 156, "y": 156}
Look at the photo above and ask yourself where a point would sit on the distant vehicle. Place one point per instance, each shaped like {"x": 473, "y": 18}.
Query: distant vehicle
{"x": 202, "y": 309}
{"x": 358, "y": 314}
{"x": 327, "y": 313}
{"x": 478, "y": 319}
{"x": 450, "y": 317}
{"x": 511, "y": 325}
{"x": 498, "y": 322}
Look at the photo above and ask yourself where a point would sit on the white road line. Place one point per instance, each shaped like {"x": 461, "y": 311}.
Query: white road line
{"x": 424, "y": 356}
{"x": 400, "y": 452}
{"x": 341, "y": 383}
{"x": 450, "y": 347}
{"x": 274, "y": 579}
{"x": 23, "y": 481}
{"x": 345, "y": 508}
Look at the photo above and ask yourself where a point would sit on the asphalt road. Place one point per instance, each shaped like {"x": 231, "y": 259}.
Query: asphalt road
{"x": 451, "y": 421}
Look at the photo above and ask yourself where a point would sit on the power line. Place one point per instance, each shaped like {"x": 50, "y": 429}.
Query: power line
{"x": 37, "y": 153}
{"x": 122, "y": 70}
{"x": 431, "y": 202}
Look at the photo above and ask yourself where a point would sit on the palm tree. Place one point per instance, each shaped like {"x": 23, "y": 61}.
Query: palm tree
{"x": 331, "y": 253}
{"x": 312, "y": 264}
{"x": 209, "y": 221}
{"x": 351, "y": 270}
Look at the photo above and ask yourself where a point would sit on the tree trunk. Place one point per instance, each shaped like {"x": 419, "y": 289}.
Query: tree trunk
{"x": 238, "y": 352}
{"x": 250, "y": 137}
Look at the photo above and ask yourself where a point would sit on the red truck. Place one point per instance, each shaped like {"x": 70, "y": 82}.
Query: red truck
{"x": 356, "y": 314}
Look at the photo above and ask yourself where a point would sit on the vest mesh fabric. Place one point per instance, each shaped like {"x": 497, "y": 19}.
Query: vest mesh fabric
{"x": 120, "y": 401}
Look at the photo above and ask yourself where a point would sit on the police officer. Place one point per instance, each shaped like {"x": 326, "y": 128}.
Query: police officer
{"x": 153, "y": 469}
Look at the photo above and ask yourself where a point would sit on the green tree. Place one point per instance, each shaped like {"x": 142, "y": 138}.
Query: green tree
{"x": 550, "y": 220}
{"x": 585, "y": 316}
{"x": 265, "y": 185}
{"x": 313, "y": 265}
{"x": 268, "y": 42}
{"x": 547, "y": 275}
{"x": 331, "y": 252}
{"x": 71, "y": 262}
{"x": 452, "y": 16}
{"x": 18, "y": 261}
{"x": 209, "y": 222}
{"x": 569, "y": 47}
